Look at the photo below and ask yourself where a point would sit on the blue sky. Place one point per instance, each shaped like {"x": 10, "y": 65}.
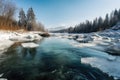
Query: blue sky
{"x": 55, "y": 13}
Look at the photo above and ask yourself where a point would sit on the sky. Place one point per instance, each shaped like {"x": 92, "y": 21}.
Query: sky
{"x": 56, "y": 13}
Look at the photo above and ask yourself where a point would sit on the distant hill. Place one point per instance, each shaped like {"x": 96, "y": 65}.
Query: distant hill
{"x": 57, "y": 29}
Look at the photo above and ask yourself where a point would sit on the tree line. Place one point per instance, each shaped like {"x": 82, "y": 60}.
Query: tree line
{"x": 98, "y": 24}
{"x": 26, "y": 21}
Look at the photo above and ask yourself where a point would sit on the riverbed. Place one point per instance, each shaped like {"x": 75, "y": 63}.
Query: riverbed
{"x": 55, "y": 59}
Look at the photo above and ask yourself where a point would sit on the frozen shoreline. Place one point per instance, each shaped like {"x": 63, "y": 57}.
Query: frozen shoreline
{"x": 107, "y": 41}
{"x": 8, "y": 38}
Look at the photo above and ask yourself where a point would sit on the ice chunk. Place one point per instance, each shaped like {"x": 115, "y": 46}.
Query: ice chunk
{"x": 29, "y": 45}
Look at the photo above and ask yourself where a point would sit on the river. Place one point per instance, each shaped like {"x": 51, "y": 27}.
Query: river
{"x": 54, "y": 59}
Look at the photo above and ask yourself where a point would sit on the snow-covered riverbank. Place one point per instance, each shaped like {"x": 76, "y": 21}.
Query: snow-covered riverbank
{"x": 108, "y": 41}
{"x": 8, "y": 38}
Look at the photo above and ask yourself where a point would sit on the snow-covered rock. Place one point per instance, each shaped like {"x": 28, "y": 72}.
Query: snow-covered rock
{"x": 29, "y": 45}
{"x": 70, "y": 37}
{"x": 84, "y": 39}
{"x": 36, "y": 37}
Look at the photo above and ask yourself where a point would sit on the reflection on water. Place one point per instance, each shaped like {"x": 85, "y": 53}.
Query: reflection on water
{"x": 27, "y": 52}
{"x": 54, "y": 59}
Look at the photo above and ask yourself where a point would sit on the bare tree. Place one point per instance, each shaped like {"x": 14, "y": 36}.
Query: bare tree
{"x": 7, "y": 9}
{"x": 38, "y": 27}
{"x": 1, "y": 6}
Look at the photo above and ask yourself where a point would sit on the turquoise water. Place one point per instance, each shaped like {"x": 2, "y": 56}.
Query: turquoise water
{"x": 54, "y": 59}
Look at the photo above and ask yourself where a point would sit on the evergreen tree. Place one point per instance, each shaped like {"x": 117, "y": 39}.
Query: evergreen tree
{"x": 97, "y": 24}
{"x": 100, "y": 23}
{"x": 119, "y": 15}
{"x": 115, "y": 18}
{"x": 30, "y": 19}
{"x": 106, "y": 22}
{"x": 22, "y": 18}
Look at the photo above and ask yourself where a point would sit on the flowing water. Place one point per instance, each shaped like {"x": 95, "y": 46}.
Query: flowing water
{"x": 54, "y": 59}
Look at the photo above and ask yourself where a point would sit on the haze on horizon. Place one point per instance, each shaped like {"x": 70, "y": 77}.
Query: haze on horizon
{"x": 55, "y": 13}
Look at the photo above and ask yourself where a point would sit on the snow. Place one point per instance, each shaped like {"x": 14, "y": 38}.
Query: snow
{"x": 114, "y": 48}
{"x": 17, "y": 36}
{"x": 116, "y": 27}
{"x": 4, "y": 45}
{"x": 2, "y": 78}
{"x": 26, "y": 37}
{"x": 1, "y": 75}
{"x": 84, "y": 38}
{"x": 29, "y": 45}
{"x": 84, "y": 45}
{"x": 8, "y": 38}
{"x": 111, "y": 67}
{"x": 108, "y": 40}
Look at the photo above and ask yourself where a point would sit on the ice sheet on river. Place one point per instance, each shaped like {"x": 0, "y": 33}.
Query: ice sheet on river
{"x": 110, "y": 67}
